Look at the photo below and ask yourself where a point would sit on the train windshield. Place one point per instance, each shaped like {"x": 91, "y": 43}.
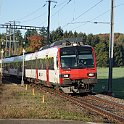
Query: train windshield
{"x": 76, "y": 57}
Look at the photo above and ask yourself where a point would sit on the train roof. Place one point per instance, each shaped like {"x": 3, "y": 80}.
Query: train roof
{"x": 66, "y": 42}
{"x": 14, "y": 58}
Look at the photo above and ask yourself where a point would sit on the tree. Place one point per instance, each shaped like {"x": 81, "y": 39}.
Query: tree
{"x": 57, "y": 34}
{"x": 43, "y": 34}
{"x": 75, "y": 34}
{"x": 29, "y": 33}
{"x": 101, "y": 54}
{"x": 65, "y": 34}
{"x": 35, "y": 43}
{"x": 70, "y": 34}
{"x": 83, "y": 36}
{"x": 18, "y": 36}
{"x": 118, "y": 58}
{"x": 89, "y": 39}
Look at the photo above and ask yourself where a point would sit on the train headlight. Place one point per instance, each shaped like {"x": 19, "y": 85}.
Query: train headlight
{"x": 64, "y": 75}
{"x": 91, "y": 74}
{"x": 74, "y": 44}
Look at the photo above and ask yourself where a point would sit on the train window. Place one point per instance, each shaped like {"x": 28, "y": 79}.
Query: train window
{"x": 51, "y": 63}
{"x": 86, "y": 58}
{"x": 57, "y": 62}
{"x": 33, "y": 64}
{"x": 76, "y": 57}
{"x": 15, "y": 65}
{"x": 30, "y": 64}
{"x": 68, "y": 61}
{"x": 68, "y": 57}
{"x": 67, "y": 52}
{"x": 20, "y": 66}
{"x": 41, "y": 64}
{"x": 44, "y": 64}
{"x": 37, "y": 63}
{"x": 27, "y": 64}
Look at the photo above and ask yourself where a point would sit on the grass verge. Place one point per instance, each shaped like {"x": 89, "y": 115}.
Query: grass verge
{"x": 16, "y": 102}
{"x": 117, "y": 82}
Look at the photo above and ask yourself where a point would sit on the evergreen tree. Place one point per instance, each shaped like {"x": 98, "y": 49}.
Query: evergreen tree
{"x": 118, "y": 58}
{"x": 101, "y": 55}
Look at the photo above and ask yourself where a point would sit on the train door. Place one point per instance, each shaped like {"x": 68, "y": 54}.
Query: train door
{"x": 47, "y": 72}
{"x": 36, "y": 67}
{"x": 56, "y": 67}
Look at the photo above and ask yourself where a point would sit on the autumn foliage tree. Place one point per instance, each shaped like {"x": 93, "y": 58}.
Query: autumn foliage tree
{"x": 35, "y": 42}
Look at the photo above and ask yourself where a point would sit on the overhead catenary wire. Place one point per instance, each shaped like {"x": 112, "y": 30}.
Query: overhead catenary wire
{"x": 63, "y": 4}
{"x": 91, "y": 19}
{"x": 90, "y": 22}
{"x": 33, "y": 12}
{"x": 32, "y": 19}
{"x": 89, "y": 9}
{"x": 85, "y": 22}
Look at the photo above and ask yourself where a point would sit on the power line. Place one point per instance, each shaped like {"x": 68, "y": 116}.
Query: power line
{"x": 92, "y": 19}
{"x": 57, "y": 10}
{"x": 34, "y": 18}
{"x": 33, "y": 12}
{"x": 86, "y": 11}
{"x": 69, "y": 1}
{"x": 97, "y": 16}
{"x": 96, "y": 22}
{"x": 25, "y": 27}
{"x": 66, "y": 3}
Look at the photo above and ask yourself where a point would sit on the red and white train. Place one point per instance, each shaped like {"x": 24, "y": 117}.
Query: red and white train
{"x": 69, "y": 66}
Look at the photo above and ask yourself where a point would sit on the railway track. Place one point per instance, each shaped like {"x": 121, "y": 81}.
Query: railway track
{"x": 109, "y": 110}
{"x": 83, "y": 102}
{"x": 111, "y": 106}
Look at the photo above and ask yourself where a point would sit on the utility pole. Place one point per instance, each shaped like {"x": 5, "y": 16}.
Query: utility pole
{"x": 111, "y": 44}
{"x": 23, "y": 64}
{"x": 9, "y": 32}
{"x": 1, "y": 76}
{"x": 14, "y": 41}
{"x": 13, "y": 34}
{"x": 48, "y": 28}
{"x": 10, "y": 40}
{"x": 6, "y": 48}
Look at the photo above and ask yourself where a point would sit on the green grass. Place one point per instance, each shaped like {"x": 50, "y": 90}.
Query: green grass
{"x": 16, "y": 102}
{"x": 117, "y": 82}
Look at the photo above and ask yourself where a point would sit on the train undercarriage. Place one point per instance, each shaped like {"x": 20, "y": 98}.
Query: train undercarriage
{"x": 79, "y": 86}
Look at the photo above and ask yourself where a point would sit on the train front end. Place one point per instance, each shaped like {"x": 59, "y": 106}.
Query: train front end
{"x": 78, "y": 72}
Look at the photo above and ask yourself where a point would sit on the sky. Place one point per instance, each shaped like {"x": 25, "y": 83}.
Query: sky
{"x": 71, "y": 15}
